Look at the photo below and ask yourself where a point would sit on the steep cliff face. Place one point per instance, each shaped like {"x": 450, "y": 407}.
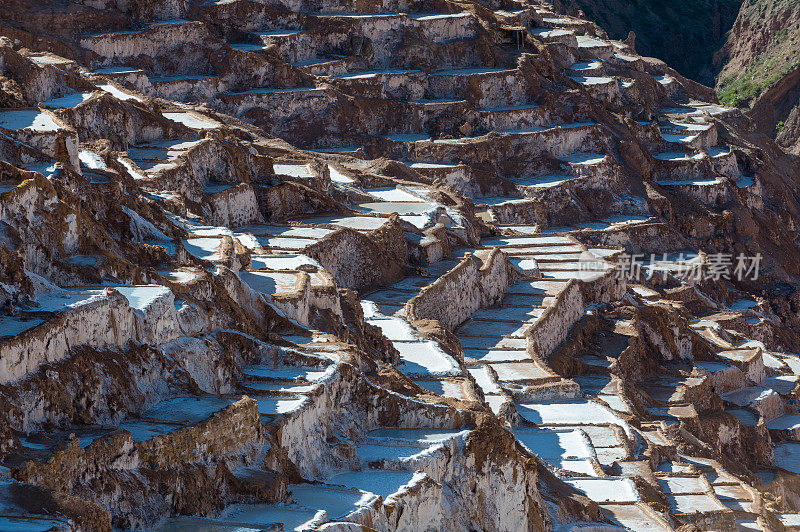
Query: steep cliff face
{"x": 683, "y": 33}
{"x": 789, "y": 129}
{"x": 760, "y": 49}
{"x": 760, "y": 68}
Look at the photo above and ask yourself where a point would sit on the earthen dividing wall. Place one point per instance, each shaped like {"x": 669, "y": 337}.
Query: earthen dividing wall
{"x": 473, "y": 284}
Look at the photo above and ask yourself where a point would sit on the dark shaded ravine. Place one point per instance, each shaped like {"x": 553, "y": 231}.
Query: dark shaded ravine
{"x": 684, "y": 33}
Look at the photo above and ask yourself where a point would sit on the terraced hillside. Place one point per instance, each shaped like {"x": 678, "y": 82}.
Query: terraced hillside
{"x": 749, "y": 51}
{"x": 399, "y": 265}
{"x": 684, "y": 33}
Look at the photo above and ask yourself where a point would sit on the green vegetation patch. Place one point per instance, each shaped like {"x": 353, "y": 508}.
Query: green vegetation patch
{"x": 781, "y": 57}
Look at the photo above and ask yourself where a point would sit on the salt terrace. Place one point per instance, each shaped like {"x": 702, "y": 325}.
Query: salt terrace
{"x": 339, "y": 266}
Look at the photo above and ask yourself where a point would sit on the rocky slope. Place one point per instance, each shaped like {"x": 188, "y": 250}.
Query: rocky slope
{"x": 389, "y": 265}
{"x": 760, "y": 68}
